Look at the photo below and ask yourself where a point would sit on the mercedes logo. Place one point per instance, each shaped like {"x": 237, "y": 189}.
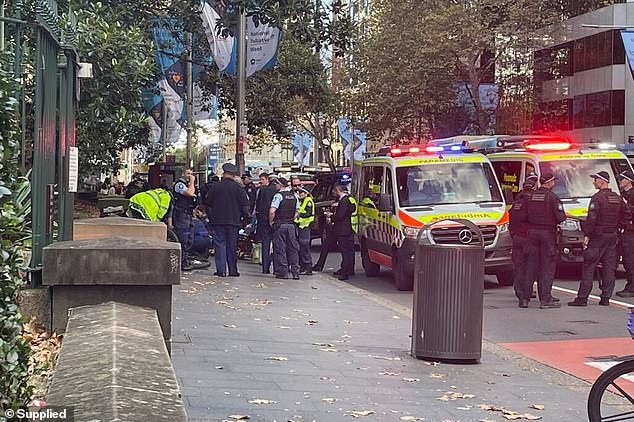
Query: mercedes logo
{"x": 465, "y": 236}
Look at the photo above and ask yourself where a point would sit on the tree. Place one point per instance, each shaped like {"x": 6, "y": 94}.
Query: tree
{"x": 294, "y": 96}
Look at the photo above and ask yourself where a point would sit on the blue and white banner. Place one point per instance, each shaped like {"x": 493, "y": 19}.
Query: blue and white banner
{"x": 302, "y": 144}
{"x": 154, "y": 109}
{"x": 628, "y": 44}
{"x": 357, "y": 139}
{"x": 263, "y": 42}
{"x": 262, "y": 45}
{"x": 173, "y": 84}
{"x": 223, "y": 49}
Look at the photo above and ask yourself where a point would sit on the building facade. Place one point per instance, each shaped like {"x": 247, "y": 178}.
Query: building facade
{"x": 583, "y": 82}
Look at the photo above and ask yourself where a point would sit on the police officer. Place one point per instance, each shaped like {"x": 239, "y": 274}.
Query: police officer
{"x": 249, "y": 187}
{"x": 518, "y": 227}
{"x": 344, "y": 228}
{"x": 626, "y": 183}
{"x": 228, "y": 210}
{"x": 304, "y": 220}
{"x": 264, "y": 196}
{"x": 184, "y": 193}
{"x": 544, "y": 211}
{"x": 607, "y": 214}
{"x": 284, "y": 209}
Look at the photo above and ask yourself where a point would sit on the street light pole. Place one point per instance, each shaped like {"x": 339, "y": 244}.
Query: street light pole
{"x": 241, "y": 123}
{"x": 190, "y": 94}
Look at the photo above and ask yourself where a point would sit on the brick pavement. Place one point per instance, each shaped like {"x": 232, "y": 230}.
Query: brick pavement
{"x": 320, "y": 350}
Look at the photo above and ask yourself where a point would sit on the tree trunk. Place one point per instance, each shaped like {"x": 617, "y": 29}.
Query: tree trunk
{"x": 482, "y": 120}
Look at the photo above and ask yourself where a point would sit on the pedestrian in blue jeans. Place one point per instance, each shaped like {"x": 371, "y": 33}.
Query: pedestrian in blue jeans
{"x": 228, "y": 210}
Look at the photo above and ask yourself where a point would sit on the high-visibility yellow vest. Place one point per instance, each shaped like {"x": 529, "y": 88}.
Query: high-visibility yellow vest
{"x": 354, "y": 218}
{"x": 152, "y": 204}
{"x": 303, "y": 222}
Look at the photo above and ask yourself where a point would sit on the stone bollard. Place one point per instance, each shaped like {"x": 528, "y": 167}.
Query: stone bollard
{"x": 118, "y": 269}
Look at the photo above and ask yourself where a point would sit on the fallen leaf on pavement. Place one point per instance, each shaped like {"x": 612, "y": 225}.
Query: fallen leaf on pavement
{"x": 393, "y": 374}
{"x": 239, "y": 417}
{"x": 437, "y": 376}
{"x": 314, "y": 287}
{"x": 278, "y": 358}
{"x": 411, "y": 379}
{"x": 432, "y": 363}
{"x": 283, "y": 327}
{"x": 262, "y": 401}
{"x": 411, "y": 418}
{"x": 230, "y": 326}
{"x": 329, "y": 400}
{"x": 538, "y": 406}
{"x": 220, "y": 367}
{"x": 386, "y": 358}
{"x": 329, "y": 350}
{"x": 311, "y": 322}
{"x": 261, "y": 286}
{"x": 452, "y": 395}
{"x": 510, "y": 414}
{"x": 324, "y": 344}
{"x": 397, "y": 317}
{"x": 360, "y": 413}
{"x": 327, "y": 379}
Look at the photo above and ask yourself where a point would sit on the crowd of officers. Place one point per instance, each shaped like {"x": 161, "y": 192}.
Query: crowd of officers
{"x": 282, "y": 211}
{"x": 608, "y": 234}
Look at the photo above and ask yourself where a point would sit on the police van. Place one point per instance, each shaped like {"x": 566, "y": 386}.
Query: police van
{"x": 403, "y": 188}
{"x": 515, "y": 157}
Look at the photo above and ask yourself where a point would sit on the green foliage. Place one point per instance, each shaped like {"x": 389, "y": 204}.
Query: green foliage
{"x": 14, "y": 351}
{"x": 111, "y": 116}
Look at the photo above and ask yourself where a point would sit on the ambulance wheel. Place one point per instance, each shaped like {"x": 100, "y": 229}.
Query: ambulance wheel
{"x": 402, "y": 279}
{"x": 371, "y": 269}
{"x": 506, "y": 278}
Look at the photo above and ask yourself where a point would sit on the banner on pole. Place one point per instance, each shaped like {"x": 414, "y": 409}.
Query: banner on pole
{"x": 628, "y": 44}
{"x": 172, "y": 85}
{"x": 262, "y": 45}
{"x": 302, "y": 144}
{"x": 348, "y": 138}
{"x": 263, "y": 42}
{"x": 223, "y": 49}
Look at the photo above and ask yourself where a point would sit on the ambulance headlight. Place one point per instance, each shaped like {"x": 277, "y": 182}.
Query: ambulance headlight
{"x": 570, "y": 225}
{"x": 410, "y": 231}
{"x": 504, "y": 227}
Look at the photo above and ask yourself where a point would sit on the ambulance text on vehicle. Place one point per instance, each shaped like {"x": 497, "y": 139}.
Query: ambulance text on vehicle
{"x": 405, "y": 187}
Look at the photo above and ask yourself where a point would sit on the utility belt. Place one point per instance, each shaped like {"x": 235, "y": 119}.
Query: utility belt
{"x": 606, "y": 230}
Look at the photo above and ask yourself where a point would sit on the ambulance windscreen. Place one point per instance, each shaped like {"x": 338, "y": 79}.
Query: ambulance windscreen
{"x": 573, "y": 176}
{"x": 445, "y": 184}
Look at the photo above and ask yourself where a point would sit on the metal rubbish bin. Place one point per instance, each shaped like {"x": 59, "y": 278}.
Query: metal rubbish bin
{"x": 448, "y": 296}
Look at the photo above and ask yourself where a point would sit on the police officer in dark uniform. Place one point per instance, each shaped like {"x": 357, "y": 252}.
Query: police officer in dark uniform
{"x": 184, "y": 193}
{"x": 607, "y": 214}
{"x": 518, "y": 227}
{"x": 282, "y": 214}
{"x": 228, "y": 210}
{"x": 344, "y": 228}
{"x": 544, "y": 211}
{"x": 626, "y": 184}
{"x": 264, "y": 197}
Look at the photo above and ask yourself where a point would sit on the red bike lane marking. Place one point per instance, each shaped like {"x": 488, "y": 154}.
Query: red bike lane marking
{"x": 582, "y": 358}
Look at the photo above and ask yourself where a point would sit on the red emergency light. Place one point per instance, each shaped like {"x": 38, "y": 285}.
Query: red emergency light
{"x": 547, "y": 145}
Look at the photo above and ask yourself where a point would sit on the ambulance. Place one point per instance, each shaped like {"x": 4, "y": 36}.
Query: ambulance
{"x": 515, "y": 157}
{"x": 404, "y": 188}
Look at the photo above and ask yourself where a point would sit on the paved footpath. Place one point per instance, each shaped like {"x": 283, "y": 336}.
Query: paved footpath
{"x": 321, "y": 350}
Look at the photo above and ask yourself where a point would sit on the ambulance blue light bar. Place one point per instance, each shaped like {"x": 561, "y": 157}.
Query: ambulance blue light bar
{"x": 403, "y": 150}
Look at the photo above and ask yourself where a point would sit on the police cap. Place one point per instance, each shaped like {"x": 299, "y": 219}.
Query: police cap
{"x": 547, "y": 177}
{"x": 230, "y": 168}
{"x": 627, "y": 175}
{"x": 529, "y": 184}
{"x": 603, "y": 175}
{"x": 281, "y": 181}
{"x": 532, "y": 177}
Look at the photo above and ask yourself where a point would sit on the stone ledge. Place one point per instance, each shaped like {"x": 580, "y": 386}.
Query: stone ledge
{"x": 114, "y": 365}
{"x": 111, "y": 261}
{"x": 94, "y": 228}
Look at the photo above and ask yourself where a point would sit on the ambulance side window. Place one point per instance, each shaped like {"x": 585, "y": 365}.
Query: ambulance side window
{"x": 530, "y": 168}
{"x": 508, "y": 174}
{"x": 372, "y": 183}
